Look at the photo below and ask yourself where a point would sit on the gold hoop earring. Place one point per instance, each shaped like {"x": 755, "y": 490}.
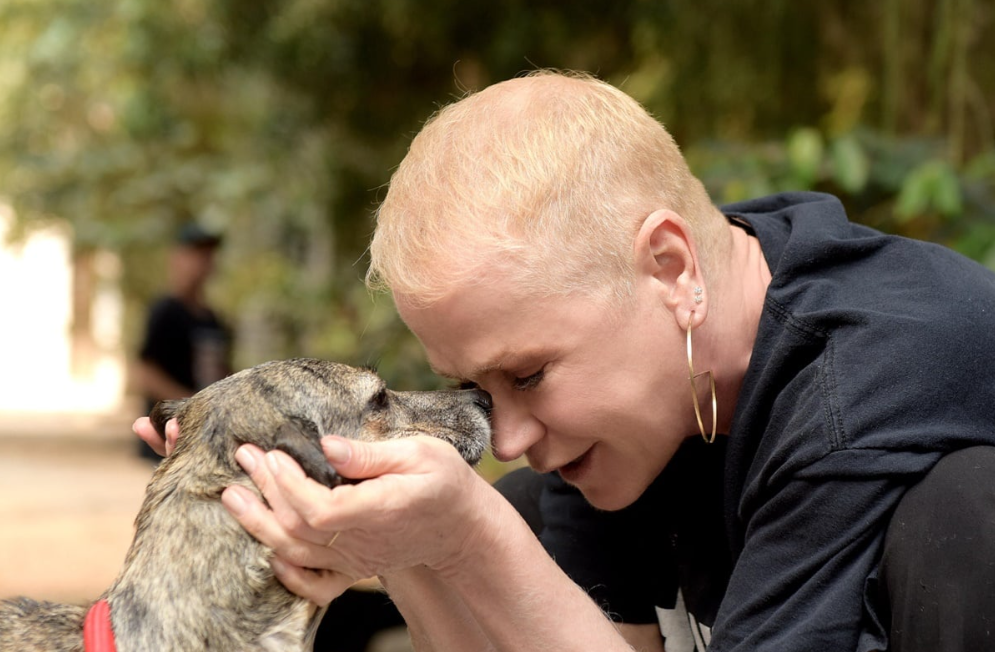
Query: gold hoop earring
{"x": 694, "y": 391}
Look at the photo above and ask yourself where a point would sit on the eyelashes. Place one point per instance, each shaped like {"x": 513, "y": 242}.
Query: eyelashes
{"x": 529, "y": 382}
{"x": 519, "y": 383}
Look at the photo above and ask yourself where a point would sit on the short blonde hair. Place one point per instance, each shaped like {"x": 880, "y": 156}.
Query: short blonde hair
{"x": 546, "y": 176}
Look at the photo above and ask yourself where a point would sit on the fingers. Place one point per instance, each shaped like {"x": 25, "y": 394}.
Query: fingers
{"x": 394, "y": 520}
{"x": 253, "y": 460}
{"x": 263, "y": 525}
{"x": 300, "y": 565}
{"x": 310, "y": 503}
{"x": 146, "y": 432}
{"x": 280, "y": 478}
{"x": 172, "y": 434}
{"x": 361, "y": 460}
{"x": 318, "y": 586}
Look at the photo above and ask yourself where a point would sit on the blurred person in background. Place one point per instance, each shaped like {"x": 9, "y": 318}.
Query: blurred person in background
{"x": 186, "y": 346}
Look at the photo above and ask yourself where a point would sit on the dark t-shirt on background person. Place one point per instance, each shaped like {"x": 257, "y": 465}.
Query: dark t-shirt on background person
{"x": 193, "y": 347}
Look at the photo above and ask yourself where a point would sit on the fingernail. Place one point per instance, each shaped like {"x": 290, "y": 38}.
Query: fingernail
{"x": 245, "y": 459}
{"x": 233, "y": 502}
{"x": 337, "y": 450}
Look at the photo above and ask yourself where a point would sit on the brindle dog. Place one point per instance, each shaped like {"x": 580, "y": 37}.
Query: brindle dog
{"x": 194, "y": 579}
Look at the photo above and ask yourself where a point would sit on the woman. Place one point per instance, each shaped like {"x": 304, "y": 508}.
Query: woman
{"x": 545, "y": 241}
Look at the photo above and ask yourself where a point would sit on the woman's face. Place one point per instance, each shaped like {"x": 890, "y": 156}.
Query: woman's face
{"x": 598, "y": 393}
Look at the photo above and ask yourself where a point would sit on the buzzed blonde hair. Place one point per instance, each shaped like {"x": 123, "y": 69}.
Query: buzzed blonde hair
{"x": 547, "y": 177}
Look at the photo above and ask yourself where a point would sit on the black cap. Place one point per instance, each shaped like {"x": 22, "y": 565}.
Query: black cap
{"x": 192, "y": 234}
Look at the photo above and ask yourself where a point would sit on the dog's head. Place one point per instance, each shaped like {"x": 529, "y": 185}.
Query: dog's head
{"x": 289, "y": 405}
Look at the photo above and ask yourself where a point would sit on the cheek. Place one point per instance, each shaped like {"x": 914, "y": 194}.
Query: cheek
{"x": 580, "y": 414}
{"x": 626, "y": 415}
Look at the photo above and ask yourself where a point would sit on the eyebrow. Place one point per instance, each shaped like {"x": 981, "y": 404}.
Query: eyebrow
{"x": 500, "y": 361}
{"x": 475, "y": 373}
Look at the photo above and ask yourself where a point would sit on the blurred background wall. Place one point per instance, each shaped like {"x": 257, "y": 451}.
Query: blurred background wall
{"x": 280, "y": 121}
{"x": 59, "y": 365}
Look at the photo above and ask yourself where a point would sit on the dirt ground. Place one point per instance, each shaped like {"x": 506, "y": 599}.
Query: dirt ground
{"x": 66, "y": 514}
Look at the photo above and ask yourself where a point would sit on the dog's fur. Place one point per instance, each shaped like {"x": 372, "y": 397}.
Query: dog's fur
{"x": 193, "y": 578}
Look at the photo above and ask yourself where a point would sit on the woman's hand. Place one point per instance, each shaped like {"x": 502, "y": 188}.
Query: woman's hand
{"x": 146, "y": 432}
{"x": 418, "y": 506}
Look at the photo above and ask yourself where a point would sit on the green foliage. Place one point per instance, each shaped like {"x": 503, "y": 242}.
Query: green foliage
{"x": 931, "y": 187}
{"x": 281, "y": 120}
{"x": 900, "y": 186}
{"x": 851, "y": 167}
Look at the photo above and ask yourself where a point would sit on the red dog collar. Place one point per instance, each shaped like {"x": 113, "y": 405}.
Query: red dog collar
{"x": 97, "y": 633}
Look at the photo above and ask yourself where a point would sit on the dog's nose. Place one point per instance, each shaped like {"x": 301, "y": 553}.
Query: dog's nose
{"x": 483, "y": 400}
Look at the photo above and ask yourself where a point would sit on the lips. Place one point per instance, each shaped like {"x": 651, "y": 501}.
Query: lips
{"x": 540, "y": 467}
{"x": 572, "y": 471}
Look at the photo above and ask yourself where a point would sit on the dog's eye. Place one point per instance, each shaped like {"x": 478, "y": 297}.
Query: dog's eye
{"x": 380, "y": 399}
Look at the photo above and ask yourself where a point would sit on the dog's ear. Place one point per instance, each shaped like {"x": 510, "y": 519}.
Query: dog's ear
{"x": 163, "y": 412}
{"x": 299, "y": 438}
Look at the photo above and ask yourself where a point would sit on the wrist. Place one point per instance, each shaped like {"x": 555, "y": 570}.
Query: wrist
{"x": 405, "y": 577}
{"x": 491, "y": 530}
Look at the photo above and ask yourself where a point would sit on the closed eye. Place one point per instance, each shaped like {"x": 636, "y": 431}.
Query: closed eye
{"x": 526, "y": 383}
{"x": 379, "y": 400}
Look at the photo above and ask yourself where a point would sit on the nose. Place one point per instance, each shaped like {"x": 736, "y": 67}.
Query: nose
{"x": 515, "y": 431}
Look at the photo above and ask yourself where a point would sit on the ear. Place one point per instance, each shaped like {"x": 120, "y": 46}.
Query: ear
{"x": 299, "y": 438}
{"x": 666, "y": 257}
{"x": 163, "y": 411}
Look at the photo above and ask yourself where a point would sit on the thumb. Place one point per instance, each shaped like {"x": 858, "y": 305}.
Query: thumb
{"x": 358, "y": 460}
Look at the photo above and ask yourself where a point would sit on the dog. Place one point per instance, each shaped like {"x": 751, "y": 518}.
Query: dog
{"x": 193, "y": 579}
